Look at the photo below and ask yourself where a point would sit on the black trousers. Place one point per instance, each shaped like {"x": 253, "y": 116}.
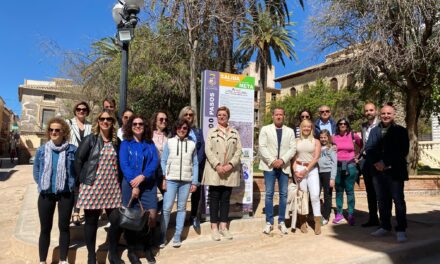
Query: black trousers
{"x": 195, "y": 196}
{"x": 371, "y": 192}
{"x": 324, "y": 179}
{"x": 91, "y": 227}
{"x": 219, "y": 198}
{"x": 46, "y": 209}
{"x": 389, "y": 191}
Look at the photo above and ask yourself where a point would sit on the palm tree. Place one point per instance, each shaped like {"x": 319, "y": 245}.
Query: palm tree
{"x": 264, "y": 35}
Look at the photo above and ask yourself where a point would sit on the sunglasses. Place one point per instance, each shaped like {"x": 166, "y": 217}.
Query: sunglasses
{"x": 305, "y": 117}
{"x": 138, "y": 124}
{"x": 324, "y": 111}
{"x": 163, "y": 119}
{"x": 189, "y": 114}
{"x": 108, "y": 119}
{"x": 182, "y": 128}
{"x": 126, "y": 117}
{"x": 56, "y": 130}
{"x": 80, "y": 109}
{"x": 342, "y": 124}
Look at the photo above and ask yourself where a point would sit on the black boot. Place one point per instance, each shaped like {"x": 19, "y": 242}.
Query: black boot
{"x": 91, "y": 258}
{"x": 113, "y": 258}
{"x": 131, "y": 254}
{"x": 150, "y": 256}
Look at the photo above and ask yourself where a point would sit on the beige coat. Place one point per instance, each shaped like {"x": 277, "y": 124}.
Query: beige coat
{"x": 268, "y": 147}
{"x": 221, "y": 150}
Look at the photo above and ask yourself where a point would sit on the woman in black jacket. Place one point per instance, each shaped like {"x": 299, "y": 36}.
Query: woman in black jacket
{"x": 96, "y": 163}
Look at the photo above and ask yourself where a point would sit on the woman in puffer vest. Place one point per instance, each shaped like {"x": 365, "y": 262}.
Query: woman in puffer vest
{"x": 180, "y": 167}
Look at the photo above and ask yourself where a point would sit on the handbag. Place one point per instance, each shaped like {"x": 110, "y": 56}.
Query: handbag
{"x": 302, "y": 197}
{"x": 302, "y": 202}
{"x": 133, "y": 218}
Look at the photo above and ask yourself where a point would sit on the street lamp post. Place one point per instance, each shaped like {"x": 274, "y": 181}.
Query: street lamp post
{"x": 125, "y": 16}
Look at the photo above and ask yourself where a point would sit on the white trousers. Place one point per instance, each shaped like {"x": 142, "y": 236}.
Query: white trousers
{"x": 311, "y": 184}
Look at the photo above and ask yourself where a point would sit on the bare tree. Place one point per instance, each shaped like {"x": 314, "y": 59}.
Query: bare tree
{"x": 394, "y": 42}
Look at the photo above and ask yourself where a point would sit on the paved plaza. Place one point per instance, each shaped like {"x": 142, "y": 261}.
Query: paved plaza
{"x": 338, "y": 243}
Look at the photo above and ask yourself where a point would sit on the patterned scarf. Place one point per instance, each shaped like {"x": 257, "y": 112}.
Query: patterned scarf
{"x": 61, "y": 166}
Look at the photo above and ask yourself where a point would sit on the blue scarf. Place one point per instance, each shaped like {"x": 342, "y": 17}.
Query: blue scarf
{"x": 61, "y": 166}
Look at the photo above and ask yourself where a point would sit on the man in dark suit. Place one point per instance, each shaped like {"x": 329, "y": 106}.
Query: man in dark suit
{"x": 387, "y": 148}
{"x": 370, "y": 114}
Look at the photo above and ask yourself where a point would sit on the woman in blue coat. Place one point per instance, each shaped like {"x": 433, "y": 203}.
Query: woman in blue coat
{"x": 54, "y": 173}
{"x": 139, "y": 161}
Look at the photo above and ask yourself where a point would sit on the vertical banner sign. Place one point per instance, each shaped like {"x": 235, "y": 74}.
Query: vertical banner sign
{"x": 237, "y": 93}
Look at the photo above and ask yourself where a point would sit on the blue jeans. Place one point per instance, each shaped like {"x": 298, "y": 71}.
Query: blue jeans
{"x": 269, "y": 182}
{"x": 181, "y": 190}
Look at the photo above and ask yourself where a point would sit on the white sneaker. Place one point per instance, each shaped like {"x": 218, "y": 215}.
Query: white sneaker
{"x": 401, "y": 237}
{"x": 282, "y": 227}
{"x": 324, "y": 221}
{"x": 63, "y": 262}
{"x": 380, "y": 232}
{"x": 267, "y": 228}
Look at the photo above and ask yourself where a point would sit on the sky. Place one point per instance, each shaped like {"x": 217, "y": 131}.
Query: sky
{"x": 35, "y": 32}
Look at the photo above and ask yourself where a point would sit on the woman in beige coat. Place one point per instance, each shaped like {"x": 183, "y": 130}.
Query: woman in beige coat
{"x": 222, "y": 171}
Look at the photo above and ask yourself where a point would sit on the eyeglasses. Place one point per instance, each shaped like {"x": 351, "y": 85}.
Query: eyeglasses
{"x": 184, "y": 128}
{"x": 189, "y": 114}
{"x": 56, "y": 130}
{"x": 324, "y": 111}
{"x": 138, "y": 124}
{"x": 108, "y": 119}
{"x": 342, "y": 124}
{"x": 305, "y": 117}
{"x": 80, "y": 109}
{"x": 163, "y": 119}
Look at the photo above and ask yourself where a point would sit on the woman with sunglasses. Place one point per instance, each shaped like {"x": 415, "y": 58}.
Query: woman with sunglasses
{"x": 180, "y": 172}
{"x": 96, "y": 163}
{"x": 55, "y": 176}
{"x": 159, "y": 126}
{"x": 139, "y": 160}
{"x": 196, "y": 135}
{"x": 79, "y": 128}
{"x": 125, "y": 116}
{"x": 304, "y": 114}
{"x": 222, "y": 171}
{"x": 345, "y": 140}
{"x": 304, "y": 164}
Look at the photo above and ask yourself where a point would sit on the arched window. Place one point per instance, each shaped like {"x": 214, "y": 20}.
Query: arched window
{"x": 351, "y": 81}
{"x": 305, "y": 87}
{"x": 334, "y": 84}
{"x": 292, "y": 91}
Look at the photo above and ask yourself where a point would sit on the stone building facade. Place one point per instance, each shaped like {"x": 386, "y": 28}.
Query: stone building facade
{"x": 6, "y": 118}
{"x": 333, "y": 71}
{"x": 336, "y": 72}
{"x": 40, "y": 101}
{"x": 272, "y": 94}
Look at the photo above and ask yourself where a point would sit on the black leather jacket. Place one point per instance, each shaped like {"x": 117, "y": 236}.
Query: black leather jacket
{"x": 87, "y": 158}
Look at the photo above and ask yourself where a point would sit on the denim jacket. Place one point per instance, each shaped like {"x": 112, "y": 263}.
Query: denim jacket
{"x": 39, "y": 167}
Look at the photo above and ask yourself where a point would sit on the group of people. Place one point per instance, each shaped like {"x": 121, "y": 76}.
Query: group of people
{"x": 325, "y": 154}
{"x": 100, "y": 167}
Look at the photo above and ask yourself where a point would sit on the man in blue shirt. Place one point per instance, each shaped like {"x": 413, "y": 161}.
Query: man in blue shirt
{"x": 325, "y": 121}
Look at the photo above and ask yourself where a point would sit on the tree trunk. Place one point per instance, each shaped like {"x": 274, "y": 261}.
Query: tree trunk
{"x": 193, "y": 76}
{"x": 412, "y": 107}
{"x": 262, "y": 92}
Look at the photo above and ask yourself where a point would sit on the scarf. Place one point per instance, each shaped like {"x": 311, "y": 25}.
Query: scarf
{"x": 61, "y": 166}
